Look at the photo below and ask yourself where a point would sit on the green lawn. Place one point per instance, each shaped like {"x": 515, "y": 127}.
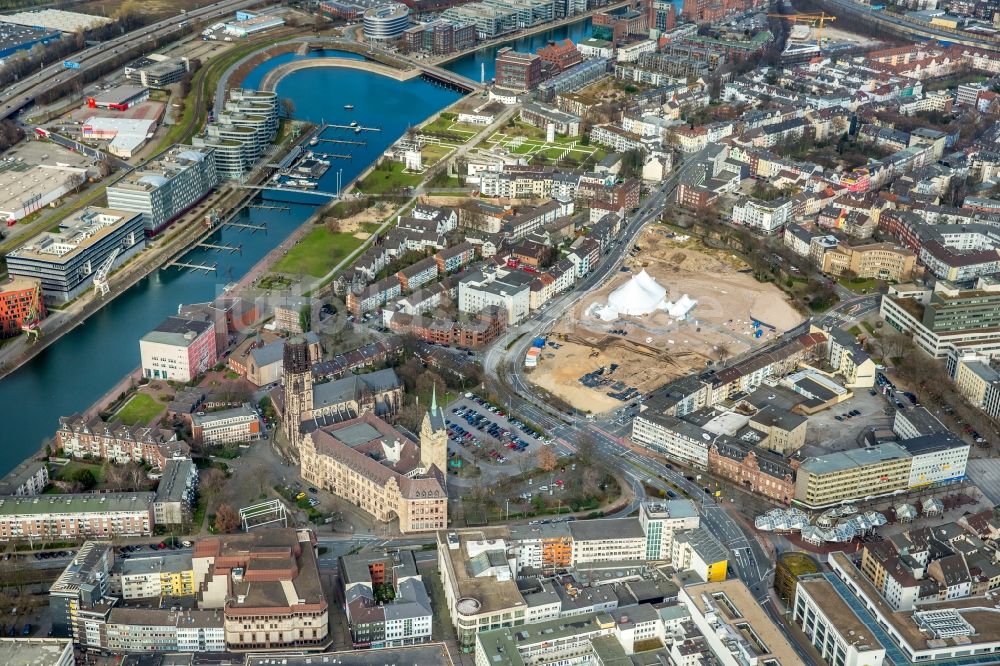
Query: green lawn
{"x": 382, "y": 180}
{"x": 142, "y": 408}
{"x": 317, "y": 253}
{"x": 858, "y": 285}
{"x": 433, "y": 154}
{"x": 66, "y": 472}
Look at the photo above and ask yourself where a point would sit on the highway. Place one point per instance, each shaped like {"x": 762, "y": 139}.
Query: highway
{"x": 15, "y": 97}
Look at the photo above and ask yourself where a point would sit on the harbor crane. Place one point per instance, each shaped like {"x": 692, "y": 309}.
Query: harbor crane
{"x": 816, "y": 20}
{"x": 32, "y": 323}
{"x": 101, "y": 276}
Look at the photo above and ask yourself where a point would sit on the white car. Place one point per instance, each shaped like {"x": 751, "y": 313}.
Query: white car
{"x": 543, "y": 488}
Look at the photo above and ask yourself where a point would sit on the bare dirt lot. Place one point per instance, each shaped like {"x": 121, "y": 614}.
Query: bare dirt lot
{"x": 656, "y": 347}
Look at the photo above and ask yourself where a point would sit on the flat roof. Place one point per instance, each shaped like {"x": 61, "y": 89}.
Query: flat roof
{"x": 76, "y": 234}
{"x": 847, "y": 623}
{"x": 709, "y": 549}
{"x": 177, "y": 331}
{"x": 121, "y": 94}
{"x": 837, "y": 462}
{"x": 418, "y": 655}
{"x": 57, "y": 19}
{"x": 13, "y": 35}
{"x": 78, "y": 503}
{"x": 491, "y": 594}
{"x": 175, "y": 562}
{"x": 733, "y": 603}
{"x": 33, "y": 651}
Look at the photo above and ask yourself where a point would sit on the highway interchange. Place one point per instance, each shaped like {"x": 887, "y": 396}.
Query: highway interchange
{"x": 15, "y": 97}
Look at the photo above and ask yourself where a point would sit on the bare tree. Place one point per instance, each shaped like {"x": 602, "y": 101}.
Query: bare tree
{"x": 226, "y": 519}
{"x": 546, "y": 459}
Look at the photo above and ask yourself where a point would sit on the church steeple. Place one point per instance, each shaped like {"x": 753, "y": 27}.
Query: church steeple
{"x": 434, "y": 399}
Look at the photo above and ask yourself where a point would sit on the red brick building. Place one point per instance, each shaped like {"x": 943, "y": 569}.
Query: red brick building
{"x": 484, "y": 329}
{"x": 756, "y": 470}
{"x": 561, "y": 54}
{"x": 20, "y": 303}
{"x": 518, "y": 71}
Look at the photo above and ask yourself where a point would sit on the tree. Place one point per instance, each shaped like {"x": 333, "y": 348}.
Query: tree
{"x": 287, "y": 107}
{"x": 585, "y": 448}
{"x": 226, "y": 519}
{"x": 547, "y": 460}
{"x": 211, "y": 482}
{"x": 429, "y": 380}
{"x": 115, "y": 476}
{"x": 305, "y": 318}
{"x": 85, "y": 477}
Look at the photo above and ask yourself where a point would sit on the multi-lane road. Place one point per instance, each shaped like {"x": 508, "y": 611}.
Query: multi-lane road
{"x": 749, "y": 560}
{"x": 15, "y": 97}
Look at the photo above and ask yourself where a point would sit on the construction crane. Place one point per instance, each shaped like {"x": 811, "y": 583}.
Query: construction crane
{"x": 818, "y": 20}
{"x": 101, "y": 276}
{"x": 31, "y": 324}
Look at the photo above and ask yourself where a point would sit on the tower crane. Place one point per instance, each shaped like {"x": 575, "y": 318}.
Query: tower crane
{"x": 101, "y": 275}
{"x": 818, "y": 20}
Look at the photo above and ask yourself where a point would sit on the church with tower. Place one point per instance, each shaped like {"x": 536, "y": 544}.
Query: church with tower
{"x": 347, "y": 447}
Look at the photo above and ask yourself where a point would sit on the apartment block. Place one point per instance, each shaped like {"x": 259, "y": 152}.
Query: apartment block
{"x": 700, "y": 552}
{"x": 507, "y": 289}
{"x": 607, "y": 539}
{"x": 176, "y": 492}
{"x": 157, "y": 576}
{"x": 84, "y": 583}
{"x": 79, "y": 437}
{"x": 27, "y": 479}
{"x": 851, "y": 475}
{"x": 69, "y": 517}
{"x": 376, "y": 622}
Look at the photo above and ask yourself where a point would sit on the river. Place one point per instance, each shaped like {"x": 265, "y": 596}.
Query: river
{"x": 84, "y": 364}
{"x": 69, "y": 375}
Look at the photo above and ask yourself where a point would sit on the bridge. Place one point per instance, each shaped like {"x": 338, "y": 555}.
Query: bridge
{"x": 431, "y": 72}
{"x": 270, "y": 189}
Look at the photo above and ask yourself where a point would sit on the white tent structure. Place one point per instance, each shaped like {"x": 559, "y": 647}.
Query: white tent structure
{"x": 639, "y": 296}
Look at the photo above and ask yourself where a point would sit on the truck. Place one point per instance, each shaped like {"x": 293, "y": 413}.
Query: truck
{"x": 531, "y": 358}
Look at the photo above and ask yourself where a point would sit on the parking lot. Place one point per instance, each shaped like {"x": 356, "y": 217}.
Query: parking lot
{"x": 837, "y": 429}
{"x": 476, "y": 425}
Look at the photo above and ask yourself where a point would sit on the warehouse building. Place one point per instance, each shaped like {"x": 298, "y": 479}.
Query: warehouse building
{"x": 119, "y": 98}
{"x": 34, "y": 174}
{"x": 14, "y": 38}
{"x": 249, "y": 24}
{"x": 57, "y": 19}
{"x": 66, "y": 261}
{"x": 166, "y": 186}
{"x": 125, "y": 136}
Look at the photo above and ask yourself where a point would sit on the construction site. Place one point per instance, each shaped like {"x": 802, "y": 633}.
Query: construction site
{"x": 596, "y": 363}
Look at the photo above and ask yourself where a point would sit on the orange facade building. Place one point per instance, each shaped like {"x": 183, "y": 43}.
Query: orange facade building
{"x": 20, "y": 303}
